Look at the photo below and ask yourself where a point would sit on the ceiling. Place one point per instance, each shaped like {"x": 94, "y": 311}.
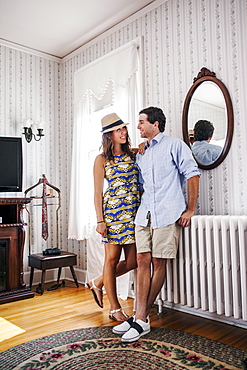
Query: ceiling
{"x": 58, "y": 27}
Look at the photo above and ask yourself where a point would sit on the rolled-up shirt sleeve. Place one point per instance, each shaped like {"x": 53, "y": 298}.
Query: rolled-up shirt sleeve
{"x": 184, "y": 160}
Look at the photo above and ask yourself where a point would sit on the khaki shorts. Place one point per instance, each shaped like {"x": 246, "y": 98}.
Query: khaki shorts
{"x": 161, "y": 242}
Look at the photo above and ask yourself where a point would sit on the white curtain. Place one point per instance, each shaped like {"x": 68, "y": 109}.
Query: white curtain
{"x": 119, "y": 71}
{"x": 109, "y": 84}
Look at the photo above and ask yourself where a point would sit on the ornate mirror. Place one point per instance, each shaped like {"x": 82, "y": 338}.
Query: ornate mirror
{"x": 208, "y": 120}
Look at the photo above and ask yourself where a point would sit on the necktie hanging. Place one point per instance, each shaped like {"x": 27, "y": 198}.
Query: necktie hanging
{"x": 46, "y": 202}
{"x": 44, "y": 211}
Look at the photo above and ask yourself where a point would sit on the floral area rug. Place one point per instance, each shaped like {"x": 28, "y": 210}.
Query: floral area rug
{"x": 99, "y": 348}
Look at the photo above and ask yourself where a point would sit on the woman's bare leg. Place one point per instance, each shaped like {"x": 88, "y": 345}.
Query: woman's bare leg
{"x": 122, "y": 268}
{"x": 112, "y": 255}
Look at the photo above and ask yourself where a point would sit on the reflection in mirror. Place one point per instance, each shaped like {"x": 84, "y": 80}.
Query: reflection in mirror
{"x": 208, "y": 112}
{"x": 208, "y": 120}
{"x": 203, "y": 150}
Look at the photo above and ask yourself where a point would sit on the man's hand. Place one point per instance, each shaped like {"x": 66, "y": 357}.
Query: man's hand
{"x": 193, "y": 187}
{"x": 185, "y": 218}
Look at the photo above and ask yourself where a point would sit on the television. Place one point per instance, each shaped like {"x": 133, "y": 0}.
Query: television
{"x": 10, "y": 164}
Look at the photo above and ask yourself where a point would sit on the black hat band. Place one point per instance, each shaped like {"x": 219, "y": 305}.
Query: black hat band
{"x": 112, "y": 125}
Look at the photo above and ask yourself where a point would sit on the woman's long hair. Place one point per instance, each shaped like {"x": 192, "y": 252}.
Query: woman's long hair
{"x": 107, "y": 147}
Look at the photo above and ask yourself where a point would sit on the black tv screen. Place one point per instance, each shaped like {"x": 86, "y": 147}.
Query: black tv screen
{"x": 10, "y": 164}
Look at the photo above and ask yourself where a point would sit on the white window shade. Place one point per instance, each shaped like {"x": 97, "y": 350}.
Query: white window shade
{"x": 117, "y": 66}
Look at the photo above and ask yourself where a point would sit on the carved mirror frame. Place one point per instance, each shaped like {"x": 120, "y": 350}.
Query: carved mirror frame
{"x": 206, "y": 75}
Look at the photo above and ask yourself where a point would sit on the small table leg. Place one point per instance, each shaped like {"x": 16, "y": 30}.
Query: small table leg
{"x": 31, "y": 277}
{"x": 59, "y": 274}
{"x": 42, "y": 281}
{"x": 74, "y": 276}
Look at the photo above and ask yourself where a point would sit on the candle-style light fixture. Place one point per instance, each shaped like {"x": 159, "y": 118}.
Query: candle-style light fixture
{"x": 28, "y": 131}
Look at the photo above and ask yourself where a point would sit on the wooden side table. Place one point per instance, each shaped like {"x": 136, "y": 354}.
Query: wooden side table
{"x": 41, "y": 262}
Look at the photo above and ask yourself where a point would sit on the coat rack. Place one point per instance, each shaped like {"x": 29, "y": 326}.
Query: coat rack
{"x": 42, "y": 181}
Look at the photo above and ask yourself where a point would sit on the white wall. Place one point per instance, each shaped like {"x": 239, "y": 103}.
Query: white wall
{"x": 180, "y": 37}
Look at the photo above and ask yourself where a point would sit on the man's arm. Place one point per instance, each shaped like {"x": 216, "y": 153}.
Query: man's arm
{"x": 193, "y": 189}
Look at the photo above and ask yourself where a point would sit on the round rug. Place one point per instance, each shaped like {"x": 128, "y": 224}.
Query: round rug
{"x": 98, "y": 348}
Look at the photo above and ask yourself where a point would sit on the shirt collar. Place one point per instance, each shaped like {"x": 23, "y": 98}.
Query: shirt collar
{"x": 155, "y": 140}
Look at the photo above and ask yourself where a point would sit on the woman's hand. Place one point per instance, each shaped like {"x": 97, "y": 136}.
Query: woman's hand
{"x": 101, "y": 228}
{"x": 141, "y": 148}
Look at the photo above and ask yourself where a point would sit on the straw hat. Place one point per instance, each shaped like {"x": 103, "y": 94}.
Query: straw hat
{"x": 111, "y": 122}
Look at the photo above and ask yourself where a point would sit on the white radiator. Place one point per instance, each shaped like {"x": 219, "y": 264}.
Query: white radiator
{"x": 210, "y": 272}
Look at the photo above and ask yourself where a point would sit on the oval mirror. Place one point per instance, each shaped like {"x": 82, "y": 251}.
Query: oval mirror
{"x": 207, "y": 120}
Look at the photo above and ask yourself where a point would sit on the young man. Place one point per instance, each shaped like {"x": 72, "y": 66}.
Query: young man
{"x": 164, "y": 166}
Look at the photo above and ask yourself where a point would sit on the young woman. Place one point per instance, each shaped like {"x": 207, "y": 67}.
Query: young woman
{"x": 115, "y": 209}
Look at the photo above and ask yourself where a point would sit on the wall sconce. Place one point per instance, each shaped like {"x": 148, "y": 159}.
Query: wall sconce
{"x": 28, "y": 131}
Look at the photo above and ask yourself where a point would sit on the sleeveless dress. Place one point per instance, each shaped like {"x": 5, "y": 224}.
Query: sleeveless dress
{"x": 121, "y": 200}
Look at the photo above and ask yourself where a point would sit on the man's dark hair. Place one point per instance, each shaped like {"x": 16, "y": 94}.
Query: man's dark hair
{"x": 155, "y": 114}
{"x": 203, "y": 130}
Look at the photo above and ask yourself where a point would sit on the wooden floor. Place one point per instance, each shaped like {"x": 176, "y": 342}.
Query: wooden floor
{"x": 68, "y": 308}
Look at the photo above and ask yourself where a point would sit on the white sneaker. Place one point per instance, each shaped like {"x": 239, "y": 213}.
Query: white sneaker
{"x": 123, "y": 327}
{"x": 137, "y": 330}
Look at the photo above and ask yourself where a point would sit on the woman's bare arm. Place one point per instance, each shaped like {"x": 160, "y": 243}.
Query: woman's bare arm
{"x": 99, "y": 175}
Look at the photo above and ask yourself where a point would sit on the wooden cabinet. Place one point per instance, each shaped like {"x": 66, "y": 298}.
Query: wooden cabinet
{"x": 12, "y": 237}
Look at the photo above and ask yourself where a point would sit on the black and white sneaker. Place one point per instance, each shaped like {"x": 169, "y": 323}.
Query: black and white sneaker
{"x": 123, "y": 327}
{"x": 138, "y": 329}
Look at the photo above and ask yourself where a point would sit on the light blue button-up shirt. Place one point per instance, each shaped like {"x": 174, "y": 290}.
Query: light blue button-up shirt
{"x": 205, "y": 153}
{"x": 164, "y": 166}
